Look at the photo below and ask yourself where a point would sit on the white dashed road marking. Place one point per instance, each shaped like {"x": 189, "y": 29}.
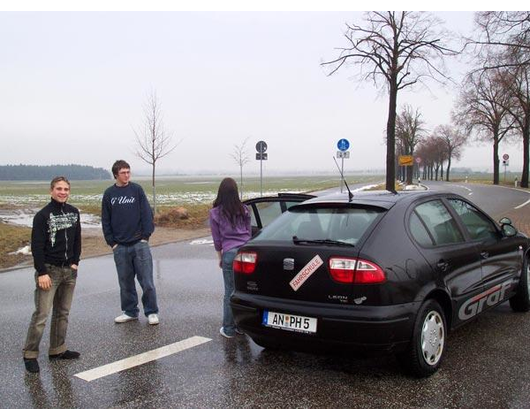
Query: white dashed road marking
{"x": 130, "y": 362}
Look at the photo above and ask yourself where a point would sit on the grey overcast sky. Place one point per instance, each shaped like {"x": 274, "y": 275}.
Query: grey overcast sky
{"x": 73, "y": 85}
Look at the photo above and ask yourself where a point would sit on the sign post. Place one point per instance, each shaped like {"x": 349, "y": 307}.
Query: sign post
{"x": 261, "y": 147}
{"x": 418, "y": 161}
{"x": 505, "y": 162}
{"x": 343, "y": 145}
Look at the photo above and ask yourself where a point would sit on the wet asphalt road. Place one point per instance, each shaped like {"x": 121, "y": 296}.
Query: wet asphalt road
{"x": 486, "y": 365}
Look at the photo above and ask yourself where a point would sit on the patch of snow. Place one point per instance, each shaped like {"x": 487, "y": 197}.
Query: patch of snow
{"x": 202, "y": 241}
{"x": 26, "y": 250}
{"x": 24, "y": 217}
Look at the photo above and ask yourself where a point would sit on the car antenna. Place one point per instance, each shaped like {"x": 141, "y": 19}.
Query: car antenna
{"x": 350, "y": 195}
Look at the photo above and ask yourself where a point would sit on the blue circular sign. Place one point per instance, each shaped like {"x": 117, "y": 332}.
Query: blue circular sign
{"x": 343, "y": 145}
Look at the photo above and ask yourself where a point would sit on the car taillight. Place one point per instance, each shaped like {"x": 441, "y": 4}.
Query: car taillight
{"x": 368, "y": 273}
{"x": 245, "y": 262}
{"x": 349, "y": 270}
{"x": 342, "y": 269}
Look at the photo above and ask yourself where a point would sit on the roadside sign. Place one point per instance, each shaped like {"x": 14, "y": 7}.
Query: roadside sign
{"x": 505, "y": 163}
{"x": 406, "y": 160}
{"x": 261, "y": 147}
{"x": 343, "y": 145}
{"x": 418, "y": 160}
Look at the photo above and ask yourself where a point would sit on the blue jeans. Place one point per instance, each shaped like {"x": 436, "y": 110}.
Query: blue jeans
{"x": 227, "y": 259}
{"x": 131, "y": 261}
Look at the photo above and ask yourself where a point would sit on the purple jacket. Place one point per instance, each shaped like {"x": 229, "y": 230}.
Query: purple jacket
{"x": 226, "y": 237}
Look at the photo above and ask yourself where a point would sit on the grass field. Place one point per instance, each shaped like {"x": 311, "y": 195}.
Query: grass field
{"x": 172, "y": 191}
{"x": 195, "y": 194}
{"x": 12, "y": 238}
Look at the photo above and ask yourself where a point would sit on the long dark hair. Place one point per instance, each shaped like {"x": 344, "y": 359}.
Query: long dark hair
{"x": 229, "y": 202}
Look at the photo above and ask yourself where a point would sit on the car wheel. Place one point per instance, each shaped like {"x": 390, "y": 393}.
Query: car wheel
{"x": 521, "y": 301}
{"x": 426, "y": 349}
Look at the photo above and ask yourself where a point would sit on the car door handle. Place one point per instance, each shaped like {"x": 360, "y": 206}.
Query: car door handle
{"x": 485, "y": 255}
{"x": 442, "y": 265}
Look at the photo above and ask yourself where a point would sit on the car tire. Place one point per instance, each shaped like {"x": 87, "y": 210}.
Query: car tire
{"x": 521, "y": 301}
{"x": 426, "y": 349}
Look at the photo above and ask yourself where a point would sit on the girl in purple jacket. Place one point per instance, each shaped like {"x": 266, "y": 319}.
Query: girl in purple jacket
{"x": 230, "y": 224}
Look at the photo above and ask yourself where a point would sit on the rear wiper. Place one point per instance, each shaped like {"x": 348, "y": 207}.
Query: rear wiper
{"x": 297, "y": 241}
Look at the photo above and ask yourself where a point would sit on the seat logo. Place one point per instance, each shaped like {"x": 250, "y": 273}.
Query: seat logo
{"x": 288, "y": 264}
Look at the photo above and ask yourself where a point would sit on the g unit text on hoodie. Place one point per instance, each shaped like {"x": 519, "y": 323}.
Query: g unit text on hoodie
{"x": 126, "y": 216}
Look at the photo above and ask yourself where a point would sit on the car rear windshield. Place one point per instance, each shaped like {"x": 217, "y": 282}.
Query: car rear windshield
{"x": 344, "y": 224}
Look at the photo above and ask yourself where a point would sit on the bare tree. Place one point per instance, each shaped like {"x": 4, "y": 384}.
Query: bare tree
{"x": 500, "y": 32}
{"x": 504, "y": 42}
{"x": 152, "y": 140}
{"x": 433, "y": 154}
{"x": 453, "y": 140}
{"x": 428, "y": 157}
{"x": 241, "y": 157}
{"x": 483, "y": 108}
{"x": 400, "y": 49}
{"x": 409, "y": 132}
{"x": 519, "y": 87}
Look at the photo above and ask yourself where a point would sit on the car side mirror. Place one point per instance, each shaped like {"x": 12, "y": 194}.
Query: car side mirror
{"x": 508, "y": 230}
{"x": 505, "y": 221}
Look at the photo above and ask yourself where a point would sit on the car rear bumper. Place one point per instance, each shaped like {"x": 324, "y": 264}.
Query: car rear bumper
{"x": 342, "y": 327}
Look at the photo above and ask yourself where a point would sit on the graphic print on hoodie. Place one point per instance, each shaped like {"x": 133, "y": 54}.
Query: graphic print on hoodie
{"x": 56, "y": 236}
{"x": 57, "y": 222}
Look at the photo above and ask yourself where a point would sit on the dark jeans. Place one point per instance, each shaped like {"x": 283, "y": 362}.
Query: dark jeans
{"x": 60, "y": 298}
{"x": 131, "y": 261}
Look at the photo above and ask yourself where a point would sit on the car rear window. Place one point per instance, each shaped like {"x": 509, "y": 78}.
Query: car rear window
{"x": 345, "y": 224}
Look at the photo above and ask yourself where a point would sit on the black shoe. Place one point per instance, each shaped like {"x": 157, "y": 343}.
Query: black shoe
{"x": 67, "y": 355}
{"x": 32, "y": 365}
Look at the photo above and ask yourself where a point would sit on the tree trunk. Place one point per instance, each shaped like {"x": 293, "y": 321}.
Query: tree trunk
{"x": 154, "y": 189}
{"x": 391, "y": 138}
{"x": 241, "y": 186}
{"x": 448, "y": 169}
{"x": 495, "y": 159}
{"x": 526, "y": 149}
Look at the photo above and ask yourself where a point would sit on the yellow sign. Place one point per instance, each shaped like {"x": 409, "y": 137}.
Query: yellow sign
{"x": 406, "y": 160}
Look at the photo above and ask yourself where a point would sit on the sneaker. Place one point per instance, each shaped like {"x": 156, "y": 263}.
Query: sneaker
{"x": 153, "y": 319}
{"x": 32, "y": 366}
{"x": 224, "y": 334}
{"x": 67, "y": 355}
{"x": 124, "y": 318}
{"x": 238, "y": 331}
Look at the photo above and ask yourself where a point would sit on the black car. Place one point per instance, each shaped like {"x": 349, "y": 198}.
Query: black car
{"x": 380, "y": 271}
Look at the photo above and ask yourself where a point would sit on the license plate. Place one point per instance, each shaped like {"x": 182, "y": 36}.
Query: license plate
{"x": 289, "y": 322}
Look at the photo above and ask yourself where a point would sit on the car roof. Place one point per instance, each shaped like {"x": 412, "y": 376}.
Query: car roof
{"x": 384, "y": 199}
